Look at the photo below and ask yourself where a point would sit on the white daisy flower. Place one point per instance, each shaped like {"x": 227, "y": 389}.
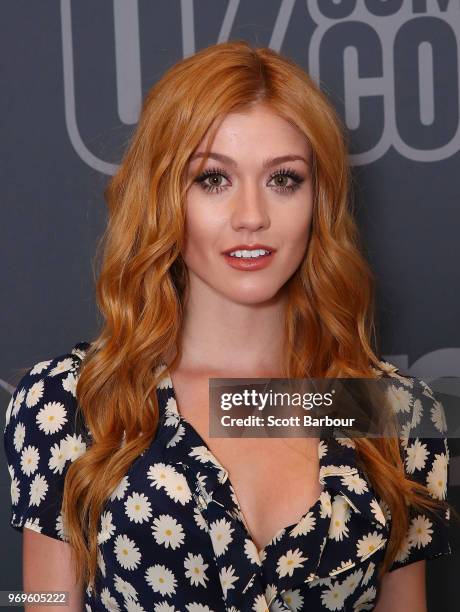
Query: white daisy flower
{"x": 438, "y": 416}
{"x": 38, "y": 489}
{"x": 107, "y": 527}
{"x": 51, "y": 417}
{"x": 101, "y": 562}
{"x": 293, "y": 599}
{"x": 34, "y": 524}
{"x": 74, "y": 446}
{"x": 289, "y": 562}
{"x": 177, "y": 437}
{"x": 195, "y": 569}
{"x": 417, "y": 413}
{"x": 339, "y": 517}
{"x": 62, "y": 366}
{"x": 333, "y": 598}
{"x": 127, "y": 553}
{"x": 60, "y": 528}
{"x": 260, "y": 604}
{"x": 18, "y": 399}
{"x": 39, "y": 367}
{"x": 167, "y": 531}
{"x": 378, "y": 512}
{"x": 220, "y": 532}
{"x": 58, "y": 457}
{"x": 124, "y": 587}
{"x": 306, "y": 524}
{"x": 35, "y": 393}
{"x": 420, "y": 531}
{"x": 138, "y": 508}
{"x": 346, "y": 442}
{"x": 250, "y": 550}
{"x": 368, "y": 573}
{"x": 437, "y": 476}
{"x": 227, "y": 578}
{"x": 400, "y": 399}
{"x": 120, "y": 489}
{"x": 351, "y": 582}
{"x": 161, "y": 579}
{"x": 196, "y": 607}
{"x": 326, "y": 504}
{"x": 199, "y": 519}
{"x": 355, "y": 483}
{"x": 364, "y": 599}
{"x": 176, "y": 488}
{"x": 29, "y": 460}
{"x": 322, "y": 449}
{"x": 14, "y": 491}
{"x": 369, "y": 544}
{"x": 69, "y": 383}
{"x": 416, "y": 456}
{"x": 159, "y": 473}
{"x": 19, "y": 436}
{"x": 108, "y": 601}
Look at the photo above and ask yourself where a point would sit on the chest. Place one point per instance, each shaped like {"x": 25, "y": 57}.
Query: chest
{"x": 275, "y": 480}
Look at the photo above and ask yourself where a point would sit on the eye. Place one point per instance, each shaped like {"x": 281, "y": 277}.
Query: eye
{"x": 212, "y": 175}
{"x": 283, "y": 176}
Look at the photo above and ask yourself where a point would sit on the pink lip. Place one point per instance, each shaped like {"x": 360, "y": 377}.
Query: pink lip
{"x": 248, "y": 247}
{"x": 249, "y": 263}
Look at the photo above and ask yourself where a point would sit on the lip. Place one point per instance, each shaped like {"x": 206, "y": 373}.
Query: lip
{"x": 250, "y": 264}
{"x": 248, "y": 247}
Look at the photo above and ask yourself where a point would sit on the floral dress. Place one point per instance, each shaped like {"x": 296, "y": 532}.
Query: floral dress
{"x": 172, "y": 537}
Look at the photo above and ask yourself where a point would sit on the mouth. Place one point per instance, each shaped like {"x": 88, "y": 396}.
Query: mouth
{"x": 246, "y": 260}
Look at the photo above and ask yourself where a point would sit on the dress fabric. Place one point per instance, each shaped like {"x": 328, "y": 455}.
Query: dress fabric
{"x": 172, "y": 537}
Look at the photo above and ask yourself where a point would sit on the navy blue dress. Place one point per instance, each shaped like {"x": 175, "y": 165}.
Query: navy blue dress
{"x": 172, "y": 536}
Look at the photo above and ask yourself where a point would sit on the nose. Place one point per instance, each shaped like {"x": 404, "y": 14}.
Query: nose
{"x": 249, "y": 208}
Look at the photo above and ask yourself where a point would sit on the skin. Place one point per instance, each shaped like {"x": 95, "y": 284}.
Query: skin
{"x": 232, "y": 320}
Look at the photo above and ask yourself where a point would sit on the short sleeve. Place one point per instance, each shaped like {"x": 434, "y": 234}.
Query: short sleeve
{"x": 426, "y": 460}
{"x": 43, "y": 434}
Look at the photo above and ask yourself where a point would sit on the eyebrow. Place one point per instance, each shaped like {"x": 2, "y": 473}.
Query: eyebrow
{"x": 267, "y": 163}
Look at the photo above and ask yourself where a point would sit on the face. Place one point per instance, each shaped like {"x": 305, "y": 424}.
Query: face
{"x": 244, "y": 196}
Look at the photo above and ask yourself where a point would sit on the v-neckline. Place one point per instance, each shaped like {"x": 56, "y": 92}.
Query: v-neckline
{"x": 324, "y": 496}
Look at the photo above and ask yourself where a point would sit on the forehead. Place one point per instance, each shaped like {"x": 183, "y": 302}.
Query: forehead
{"x": 259, "y": 130}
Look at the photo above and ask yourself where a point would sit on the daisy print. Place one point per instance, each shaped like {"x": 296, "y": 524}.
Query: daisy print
{"x": 369, "y": 544}
{"x": 138, "y": 508}
{"x": 227, "y": 579}
{"x": 416, "y": 456}
{"x": 354, "y": 483}
{"x": 51, "y": 417}
{"x": 19, "y": 436}
{"x": 287, "y": 563}
{"x": 29, "y": 460}
{"x": 333, "y": 598}
{"x": 400, "y": 399}
{"x": 40, "y": 367}
{"x": 294, "y": 599}
{"x": 17, "y": 402}
{"x": 70, "y": 383}
{"x": 195, "y": 569}
{"x": 120, "y": 489}
{"x": 109, "y": 602}
{"x": 438, "y": 416}
{"x": 304, "y": 526}
{"x": 168, "y": 532}
{"x": 420, "y": 531}
{"x": 107, "y": 528}
{"x": 58, "y": 457}
{"x": 161, "y": 579}
{"x": 38, "y": 489}
{"x": 126, "y": 552}
{"x": 35, "y": 393}
{"x": 221, "y": 535}
{"x": 62, "y": 366}
{"x": 437, "y": 477}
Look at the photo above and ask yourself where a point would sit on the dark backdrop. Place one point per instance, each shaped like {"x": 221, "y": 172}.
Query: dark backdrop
{"x": 73, "y": 76}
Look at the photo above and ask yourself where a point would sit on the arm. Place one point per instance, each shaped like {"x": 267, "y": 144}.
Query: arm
{"x": 47, "y": 567}
{"x": 403, "y": 589}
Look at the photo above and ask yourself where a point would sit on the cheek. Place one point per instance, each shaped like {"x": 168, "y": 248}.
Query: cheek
{"x": 202, "y": 228}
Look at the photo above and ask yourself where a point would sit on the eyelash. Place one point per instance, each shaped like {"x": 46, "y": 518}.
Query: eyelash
{"x": 289, "y": 172}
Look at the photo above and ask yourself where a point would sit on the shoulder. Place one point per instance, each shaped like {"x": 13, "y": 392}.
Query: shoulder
{"x": 43, "y": 433}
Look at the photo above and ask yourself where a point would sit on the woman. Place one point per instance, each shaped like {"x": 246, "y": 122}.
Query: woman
{"x": 236, "y": 150}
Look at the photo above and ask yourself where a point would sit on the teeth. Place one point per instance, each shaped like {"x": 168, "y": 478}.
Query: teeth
{"x": 255, "y": 253}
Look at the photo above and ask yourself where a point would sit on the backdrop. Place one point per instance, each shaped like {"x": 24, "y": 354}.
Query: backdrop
{"x": 74, "y": 74}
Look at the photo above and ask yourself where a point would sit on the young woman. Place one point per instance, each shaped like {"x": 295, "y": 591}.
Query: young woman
{"x": 230, "y": 251}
